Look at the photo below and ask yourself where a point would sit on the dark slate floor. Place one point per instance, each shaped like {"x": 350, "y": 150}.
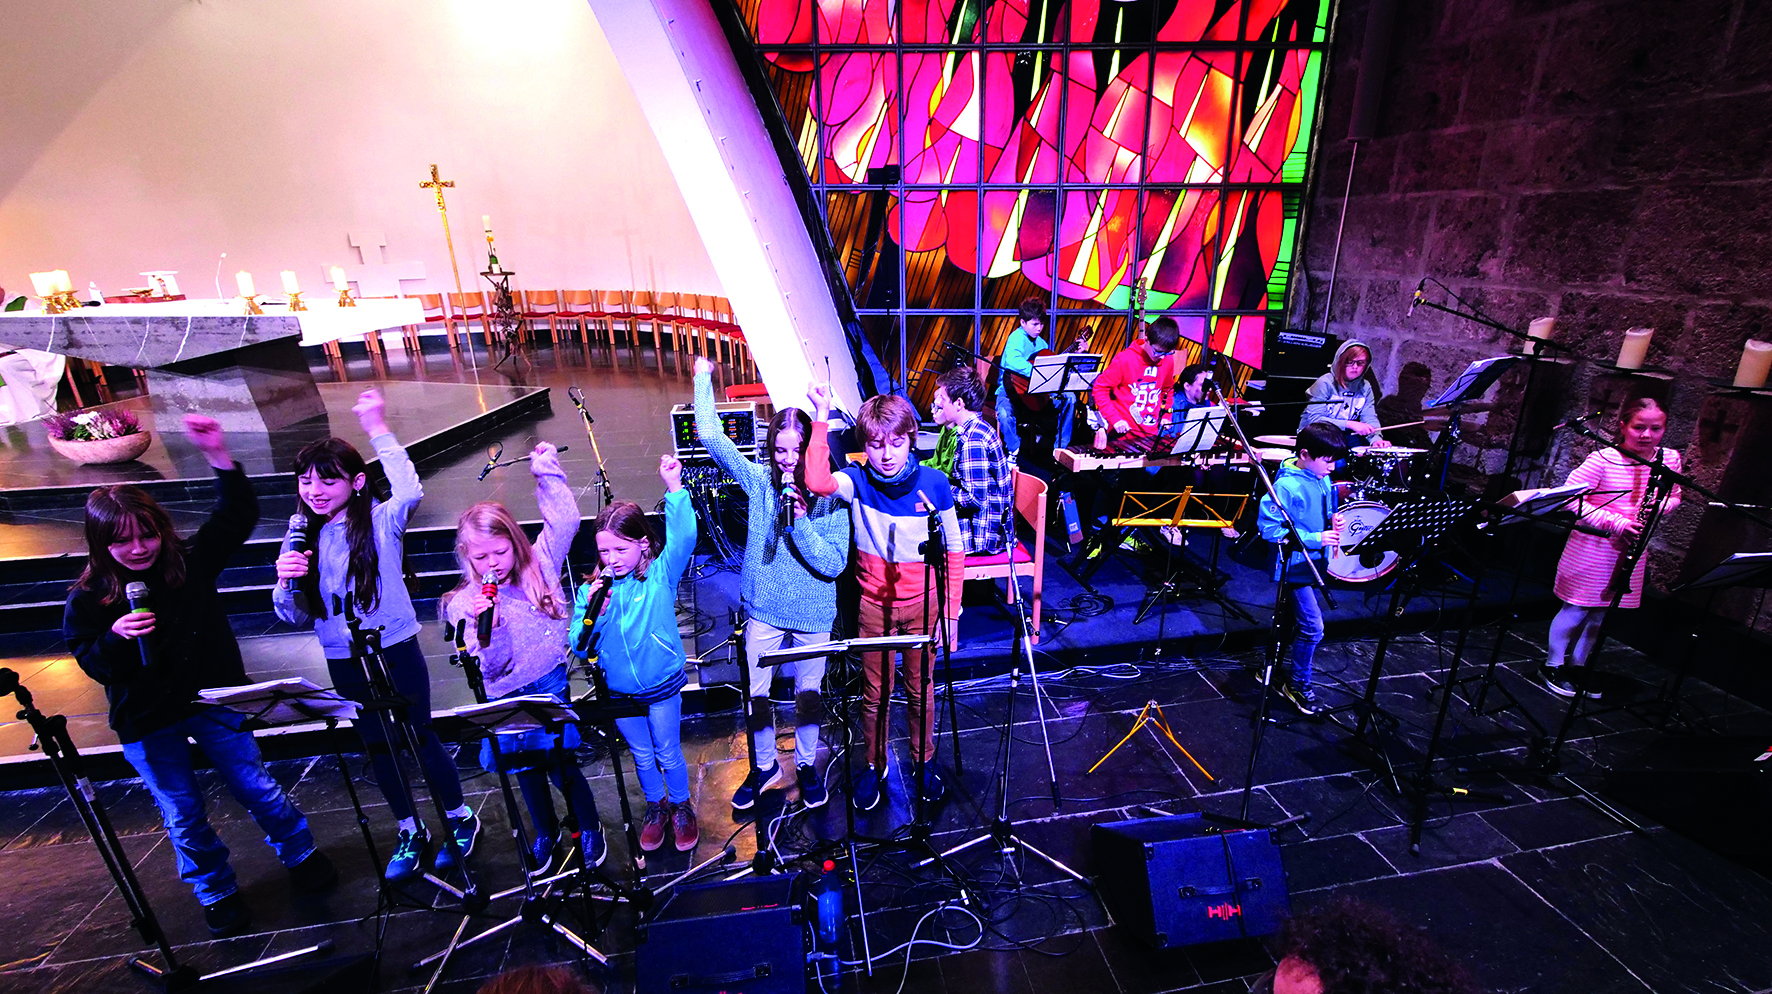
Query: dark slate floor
{"x": 1539, "y": 891}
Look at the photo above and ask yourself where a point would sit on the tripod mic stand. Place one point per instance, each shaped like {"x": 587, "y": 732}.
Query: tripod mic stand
{"x": 64, "y": 757}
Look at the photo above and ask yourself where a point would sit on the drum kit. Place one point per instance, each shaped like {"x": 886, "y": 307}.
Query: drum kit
{"x": 1379, "y": 477}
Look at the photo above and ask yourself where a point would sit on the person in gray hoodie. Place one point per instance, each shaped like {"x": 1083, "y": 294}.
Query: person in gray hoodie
{"x": 1344, "y": 396}
{"x": 360, "y": 547}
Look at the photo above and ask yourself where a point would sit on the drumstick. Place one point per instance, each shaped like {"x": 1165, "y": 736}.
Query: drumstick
{"x": 1406, "y": 424}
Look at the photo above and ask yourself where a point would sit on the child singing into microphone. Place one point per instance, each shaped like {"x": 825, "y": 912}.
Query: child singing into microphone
{"x": 360, "y": 546}
{"x": 154, "y": 659}
{"x": 639, "y": 649}
{"x": 788, "y": 583}
{"x": 1589, "y": 571}
{"x": 525, "y": 653}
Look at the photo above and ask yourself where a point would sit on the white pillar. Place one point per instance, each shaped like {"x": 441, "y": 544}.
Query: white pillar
{"x": 677, "y": 59}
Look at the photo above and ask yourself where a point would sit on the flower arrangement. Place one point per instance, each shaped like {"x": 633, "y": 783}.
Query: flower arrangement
{"x": 92, "y": 425}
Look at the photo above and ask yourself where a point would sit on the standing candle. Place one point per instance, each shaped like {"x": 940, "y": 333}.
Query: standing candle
{"x": 1636, "y": 348}
{"x": 338, "y": 279}
{"x": 289, "y": 283}
{"x": 62, "y": 283}
{"x": 486, "y": 221}
{"x": 1540, "y": 328}
{"x": 42, "y": 283}
{"x": 1756, "y": 362}
{"x": 244, "y": 281}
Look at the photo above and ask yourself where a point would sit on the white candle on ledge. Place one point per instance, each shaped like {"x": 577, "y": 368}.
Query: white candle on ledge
{"x": 243, "y": 280}
{"x": 41, "y": 282}
{"x": 1541, "y": 329}
{"x": 289, "y": 283}
{"x": 486, "y": 221}
{"x": 338, "y": 279}
{"x": 1756, "y": 362}
{"x": 62, "y": 283}
{"x": 1635, "y": 349}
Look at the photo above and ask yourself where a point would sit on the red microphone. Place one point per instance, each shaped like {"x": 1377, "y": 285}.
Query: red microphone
{"x": 483, "y": 624}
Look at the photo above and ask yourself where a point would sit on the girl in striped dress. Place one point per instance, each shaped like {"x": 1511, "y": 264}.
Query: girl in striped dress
{"x": 1588, "y": 573}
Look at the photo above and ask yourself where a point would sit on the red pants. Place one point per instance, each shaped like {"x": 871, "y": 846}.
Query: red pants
{"x": 898, "y": 618}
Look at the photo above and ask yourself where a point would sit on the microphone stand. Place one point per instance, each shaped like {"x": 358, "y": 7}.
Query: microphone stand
{"x": 578, "y": 400}
{"x": 64, "y": 758}
{"x": 1277, "y": 632}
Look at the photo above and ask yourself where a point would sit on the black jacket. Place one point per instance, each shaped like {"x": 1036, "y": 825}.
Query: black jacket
{"x": 192, "y": 644}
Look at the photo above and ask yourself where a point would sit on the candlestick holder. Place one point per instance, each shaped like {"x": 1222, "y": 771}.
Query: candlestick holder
{"x": 60, "y": 302}
{"x": 252, "y": 304}
{"x": 295, "y": 303}
{"x": 344, "y": 298}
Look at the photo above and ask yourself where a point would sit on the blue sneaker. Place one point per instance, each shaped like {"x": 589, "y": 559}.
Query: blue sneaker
{"x": 934, "y": 788}
{"x": 409, "y": 852}
{"x": 746, "y": 794}
{"x": 865, "y": 792}
{"x": 541, "y": 857}
{"x": 812, "y": 792}
{"x": 466, "y": 832}
{"x": 594, "y": 846}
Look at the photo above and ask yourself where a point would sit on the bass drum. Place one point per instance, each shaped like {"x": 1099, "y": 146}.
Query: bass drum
{"x": 1357, "y": 521}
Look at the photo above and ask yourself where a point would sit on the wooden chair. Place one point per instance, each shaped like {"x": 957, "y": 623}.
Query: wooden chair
{"x": 580, "y": 307}
{"x": 642, "y": 308}
{"x": 435, "y": 313}
{"x": 539, "y": 305}
{"x": 616, "y": 307}
{"x": 668, "y": 309}
{"x": 470, "y": 305}
{"x": 1030, "y": 509}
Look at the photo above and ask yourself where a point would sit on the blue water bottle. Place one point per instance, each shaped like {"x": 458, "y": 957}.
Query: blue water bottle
{"x": 830, "y": 906}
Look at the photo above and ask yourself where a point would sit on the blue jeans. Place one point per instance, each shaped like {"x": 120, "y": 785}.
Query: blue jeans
{"x": 164, "y": 762}
{"x": 412, "y": 682}
{"x": 1066, "y": 405}
{"x": 530, "y": 757}
{"x": 656, "y": 740}
{"x": 1307, "y": 623}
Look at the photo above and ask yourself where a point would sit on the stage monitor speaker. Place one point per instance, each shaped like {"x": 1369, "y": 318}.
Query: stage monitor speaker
{"x": 1186, "y": 879}
{"x": 736, "y": 937}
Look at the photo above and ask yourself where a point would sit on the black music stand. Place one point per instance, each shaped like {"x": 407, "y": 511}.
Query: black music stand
{"x": 1468, "y": 388}
{"x": 1743, "y": 569}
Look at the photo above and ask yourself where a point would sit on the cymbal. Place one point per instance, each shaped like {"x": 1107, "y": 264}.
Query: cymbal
{"x": 1279, "y": 441}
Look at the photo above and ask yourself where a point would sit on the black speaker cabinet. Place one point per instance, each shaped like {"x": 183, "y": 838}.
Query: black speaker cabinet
{"x": 735, "y": 937}
{"x": 1185, "y": 879}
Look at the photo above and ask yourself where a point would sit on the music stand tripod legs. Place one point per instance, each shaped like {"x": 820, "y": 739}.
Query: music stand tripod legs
{"x": 64, "y": 758}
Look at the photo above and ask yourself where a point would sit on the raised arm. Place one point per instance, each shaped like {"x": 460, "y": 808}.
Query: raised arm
{"x": 371, "y": 411}
{"x": 235, "y": 513}
{"x": 680, "y": 533}
{"x": 560, "y": 517}
{"x": 819, "y": 478}
{"x": 713, "y": 435}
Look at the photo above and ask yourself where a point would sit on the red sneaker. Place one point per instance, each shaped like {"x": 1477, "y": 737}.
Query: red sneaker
{"x": 684, "y": 828}
{"x": 652, "y": 829}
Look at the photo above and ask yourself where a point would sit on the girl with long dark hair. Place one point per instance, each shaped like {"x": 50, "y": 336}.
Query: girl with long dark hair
{"x": 787, "y": 583}
{"x": 359, "y": 543}
{"x": 153, "y": 662}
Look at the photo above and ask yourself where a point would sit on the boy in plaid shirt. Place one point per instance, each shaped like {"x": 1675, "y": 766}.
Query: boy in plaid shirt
{"x": 983, "y": 489}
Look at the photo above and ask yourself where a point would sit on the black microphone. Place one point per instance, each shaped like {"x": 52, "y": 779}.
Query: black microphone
{"x": 483, "y": 624}
{"x": 137, "y": 594}
{"x": 296, "y": 537}
{"x": 1418, "y": 296}
{"x": 1572, "y": 422}
{"x": 593, "y": 608}
{"x": 788, "y": 494}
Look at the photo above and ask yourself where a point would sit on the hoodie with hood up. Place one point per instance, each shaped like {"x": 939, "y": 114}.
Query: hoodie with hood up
{"x": 1329, "y": 401}
{"x": 1311, "y": 501}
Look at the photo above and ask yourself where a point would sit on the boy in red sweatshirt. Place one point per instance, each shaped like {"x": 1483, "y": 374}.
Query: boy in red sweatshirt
{"x": 1135, "y": 392}
{"x": 890, "y": 500}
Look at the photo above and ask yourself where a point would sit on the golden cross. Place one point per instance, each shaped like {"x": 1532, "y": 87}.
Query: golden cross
{"x": 438, "y": 184}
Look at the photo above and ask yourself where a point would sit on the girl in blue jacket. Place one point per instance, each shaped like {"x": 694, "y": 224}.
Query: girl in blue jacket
{"x": 640, "y": 650}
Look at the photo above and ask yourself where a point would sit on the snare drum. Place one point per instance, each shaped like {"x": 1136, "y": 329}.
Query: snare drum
{"x": 1357, "y": 521}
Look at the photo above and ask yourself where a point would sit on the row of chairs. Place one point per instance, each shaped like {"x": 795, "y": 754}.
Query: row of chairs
{"x": 697, "y": 322}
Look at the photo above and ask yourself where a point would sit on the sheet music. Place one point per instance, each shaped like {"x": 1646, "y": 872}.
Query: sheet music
{"x": 1049, "y": 370}
{"x": 316, "y": 701}
{"x": 514, "y": 714}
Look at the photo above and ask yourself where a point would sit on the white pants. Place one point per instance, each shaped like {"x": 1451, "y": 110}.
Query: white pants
{"x": 808, "y": 679}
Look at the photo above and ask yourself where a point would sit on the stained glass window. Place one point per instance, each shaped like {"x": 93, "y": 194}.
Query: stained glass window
{"x": 969, "y": 153}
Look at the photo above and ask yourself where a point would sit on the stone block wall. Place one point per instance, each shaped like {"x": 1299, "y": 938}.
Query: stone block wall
{"x": 1609, "y": 163}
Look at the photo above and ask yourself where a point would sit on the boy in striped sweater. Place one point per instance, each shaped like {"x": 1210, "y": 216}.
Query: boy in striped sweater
{"x": 892, "y": 499}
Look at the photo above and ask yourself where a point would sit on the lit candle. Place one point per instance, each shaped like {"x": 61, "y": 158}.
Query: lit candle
{"x": 1756, "y": 362}
{"x": 62, "y": 283}
{"x": 1636, "y": 348}
{"x": 486, "y": 220}
{"x": 41, "y": 282}
{"x": 289, "y": 283}
{"x": 1540, "y": 328}
{"x": 338, "y": 279}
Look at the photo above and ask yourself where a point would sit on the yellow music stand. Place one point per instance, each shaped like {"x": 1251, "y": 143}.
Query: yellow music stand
{"x": 1161, "y": 722}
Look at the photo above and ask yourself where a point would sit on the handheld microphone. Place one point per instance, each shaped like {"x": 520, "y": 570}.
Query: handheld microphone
{"x": 136, "y": 592}
{"x": 1418, "y": 298}
{"x": 1573, "y": 422}
{"x": 483, "y": 624}
{"x": 296, "y": 537}
{"x": 593, "y": 608}
{"x": 789, "y": 493}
